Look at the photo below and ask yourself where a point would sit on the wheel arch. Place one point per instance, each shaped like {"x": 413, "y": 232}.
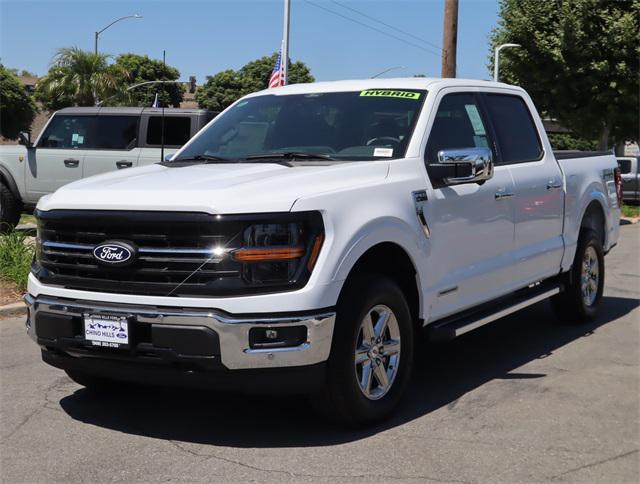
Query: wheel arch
{"x": 7, "y": 179}
{"x": 390, "y": 259}
{"x": 594, "y": 218}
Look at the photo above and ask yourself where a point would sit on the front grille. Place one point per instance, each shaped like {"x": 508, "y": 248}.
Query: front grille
{"x": 175, "y": 252}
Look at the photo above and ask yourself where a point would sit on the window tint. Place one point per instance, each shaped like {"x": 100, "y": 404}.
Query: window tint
{"x": 516, "y": 133}
{"x": 458, "y": 124}
{"x": 116, "y": 132}
{"x": 68, "y": 132}
{"x": 625, "y": 166}
{"x": 177, "y": 130}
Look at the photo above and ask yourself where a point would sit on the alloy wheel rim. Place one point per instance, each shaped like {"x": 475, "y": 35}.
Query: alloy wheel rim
{"x": 589, "y": 276}
{"x": 377, "y": 352}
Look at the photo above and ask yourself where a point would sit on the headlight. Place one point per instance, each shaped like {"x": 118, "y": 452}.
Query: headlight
{"x": 276, "y": 253}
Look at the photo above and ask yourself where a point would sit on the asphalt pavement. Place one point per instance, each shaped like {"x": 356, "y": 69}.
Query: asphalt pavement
{"x": 525, "y": 399}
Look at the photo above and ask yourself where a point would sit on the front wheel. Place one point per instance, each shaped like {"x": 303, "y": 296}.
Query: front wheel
{"x": 584, "y": 283}
{"x": 372, "y": 352}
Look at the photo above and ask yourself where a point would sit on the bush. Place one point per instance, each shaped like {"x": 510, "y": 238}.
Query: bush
{"x": 16, "y": 253}
{"x": 17, "y": 109}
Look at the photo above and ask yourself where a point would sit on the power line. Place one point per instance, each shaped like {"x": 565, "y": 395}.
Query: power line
{"x": 372, "y": 28}
{"x": 386, "y": 24}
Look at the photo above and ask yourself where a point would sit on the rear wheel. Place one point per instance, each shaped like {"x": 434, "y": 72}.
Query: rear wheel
{"x": 372, "y": 353}
{"x": 9, "y": 209}
{"x": 584, "y": 283}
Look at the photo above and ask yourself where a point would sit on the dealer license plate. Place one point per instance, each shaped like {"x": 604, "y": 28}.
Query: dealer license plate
{"x": 107, "y": 331}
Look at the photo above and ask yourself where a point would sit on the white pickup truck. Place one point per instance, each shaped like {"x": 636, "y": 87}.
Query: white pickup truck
{"x": 300, "y": 241}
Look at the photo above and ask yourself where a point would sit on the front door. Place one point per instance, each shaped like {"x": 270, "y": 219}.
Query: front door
{"x": 59, "y": 155}
{"x": 472, "y": 225}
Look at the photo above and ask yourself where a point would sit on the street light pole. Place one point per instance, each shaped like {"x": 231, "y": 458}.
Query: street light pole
{"x": 496, "y": 59}
{"x": 97, "y": 34}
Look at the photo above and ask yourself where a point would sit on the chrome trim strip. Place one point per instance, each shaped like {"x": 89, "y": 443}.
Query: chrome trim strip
{"x": 142, "y": 250}
{"x": 506, "y": 311}
{"x": 232, "y": 332}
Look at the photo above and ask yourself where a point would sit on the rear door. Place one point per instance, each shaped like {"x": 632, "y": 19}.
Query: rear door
{"x": 115, "y": 144}
{"x": 59, "y": 155}
{"x": 472, "y": 224}
{"x": 539, "y": 190}
{"x": 177, "y": 130}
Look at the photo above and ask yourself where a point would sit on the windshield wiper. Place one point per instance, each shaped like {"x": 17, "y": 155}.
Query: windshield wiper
{"x": 205, "y": 158}
{"x": 288, "y": 155}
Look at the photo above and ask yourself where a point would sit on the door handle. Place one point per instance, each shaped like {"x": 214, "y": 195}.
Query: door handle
{"x": 71, "y": 162}
{"x": 553, "y": 185}
{"x": 124, "y": 164}
{"x": 502, "y": 195}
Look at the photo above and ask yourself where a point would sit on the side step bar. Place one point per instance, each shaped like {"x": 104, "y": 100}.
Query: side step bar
{"x": 448, "y": 328}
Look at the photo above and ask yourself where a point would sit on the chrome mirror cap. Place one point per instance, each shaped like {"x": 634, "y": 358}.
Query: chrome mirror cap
{"x": 479, "y": 160}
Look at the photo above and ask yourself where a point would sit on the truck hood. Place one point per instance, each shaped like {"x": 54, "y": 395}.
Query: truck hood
{"x": 212, "y": 188}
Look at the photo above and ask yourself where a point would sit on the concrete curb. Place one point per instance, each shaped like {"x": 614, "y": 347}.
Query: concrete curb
{"x": 13, "y": 309}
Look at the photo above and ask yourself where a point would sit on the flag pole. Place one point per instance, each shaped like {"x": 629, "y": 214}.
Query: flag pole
{"x": 285, "y": 42}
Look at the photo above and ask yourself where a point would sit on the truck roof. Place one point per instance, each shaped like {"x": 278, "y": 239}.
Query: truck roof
{"x": 422, "y": 83}
{"x": 133, "y": 110}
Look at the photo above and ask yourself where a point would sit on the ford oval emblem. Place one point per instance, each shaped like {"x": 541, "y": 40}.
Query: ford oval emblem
{"x": 114, "y": 253}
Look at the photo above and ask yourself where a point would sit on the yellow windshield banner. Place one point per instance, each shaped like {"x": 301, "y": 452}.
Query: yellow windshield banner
{"x": 387, "y": 93}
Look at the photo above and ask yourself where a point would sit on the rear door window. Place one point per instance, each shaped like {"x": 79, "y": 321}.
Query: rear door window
{"x": 177, "y": 130}
{"x": 116, "y": 132}
{"x": 68, "y": 132}
{"x": 515, "y": 131}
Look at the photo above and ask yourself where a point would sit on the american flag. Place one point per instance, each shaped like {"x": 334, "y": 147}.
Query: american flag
{"x": 277, "y": 75}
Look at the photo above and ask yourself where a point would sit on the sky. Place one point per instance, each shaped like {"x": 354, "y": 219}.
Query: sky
{"x": 204, "y": 37}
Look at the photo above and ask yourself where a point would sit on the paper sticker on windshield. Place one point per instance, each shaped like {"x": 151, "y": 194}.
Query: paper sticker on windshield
{"x": 388, "y": 93}
{"x": 386, "y": 152}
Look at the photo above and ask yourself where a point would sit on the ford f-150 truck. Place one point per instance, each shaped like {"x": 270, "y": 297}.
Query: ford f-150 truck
{"x": 300, "y": 241}
{"x": 81, "y": 142}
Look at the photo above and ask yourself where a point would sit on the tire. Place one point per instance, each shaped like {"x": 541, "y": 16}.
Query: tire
{"x": 580, "y": 299}
{"x": 9, "y": 209}
{"x": 90, "y": 382}
{"x": 344, "y": 399}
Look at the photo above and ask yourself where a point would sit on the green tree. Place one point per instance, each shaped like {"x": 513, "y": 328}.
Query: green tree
{"x": 80, "y": 78}
{"x": 141, "y": 68}
{"x": 21, "y": 73}
{"x": 578, "y": 60}
{"x": 226, "y": 87}
{"x": 17, "y": 108}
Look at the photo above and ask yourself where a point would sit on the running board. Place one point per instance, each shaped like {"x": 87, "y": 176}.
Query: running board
{"x": 457, "y": 325}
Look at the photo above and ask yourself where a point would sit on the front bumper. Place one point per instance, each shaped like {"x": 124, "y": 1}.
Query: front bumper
{"x": 228, "y": 336}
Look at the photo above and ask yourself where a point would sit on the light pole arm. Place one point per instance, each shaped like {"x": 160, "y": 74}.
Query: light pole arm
{"x": 98, "y": 32}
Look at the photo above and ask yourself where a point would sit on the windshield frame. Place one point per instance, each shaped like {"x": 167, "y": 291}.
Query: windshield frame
{"x": 424, "y": 93}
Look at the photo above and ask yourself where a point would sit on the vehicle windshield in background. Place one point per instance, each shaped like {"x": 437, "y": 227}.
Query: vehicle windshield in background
{"x": 360, "y": 125}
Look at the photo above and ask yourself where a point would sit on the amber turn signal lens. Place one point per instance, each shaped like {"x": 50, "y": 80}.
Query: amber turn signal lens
{"x": 315, "y": 251}
{"x": 273, "y": 253}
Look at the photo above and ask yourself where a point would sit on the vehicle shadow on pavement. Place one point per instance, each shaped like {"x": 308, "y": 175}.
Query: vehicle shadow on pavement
{"x": 443, "y": 373}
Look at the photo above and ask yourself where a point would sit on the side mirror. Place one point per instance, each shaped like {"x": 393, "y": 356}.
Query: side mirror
{"x": 470, "y": 165}
{"x": 24, "y": 138}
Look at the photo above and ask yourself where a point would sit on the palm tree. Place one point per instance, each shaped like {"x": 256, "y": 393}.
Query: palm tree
{"x": 79, "y": 77}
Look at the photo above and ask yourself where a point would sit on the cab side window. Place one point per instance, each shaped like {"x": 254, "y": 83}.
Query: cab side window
{"x": 458, "y": 125}
{"x": 516, "y": 133}
{"x": 68, "y": 132}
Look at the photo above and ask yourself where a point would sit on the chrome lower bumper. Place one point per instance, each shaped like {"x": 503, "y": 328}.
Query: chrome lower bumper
{"x": 233, "y": 333}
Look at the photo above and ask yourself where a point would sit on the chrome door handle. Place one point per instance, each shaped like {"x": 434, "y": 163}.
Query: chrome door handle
{"x": 554, "y": 185}
{"x": 504, "y": 195}
{"x": 71, "y": 163}
{"x": 124, "y": 164}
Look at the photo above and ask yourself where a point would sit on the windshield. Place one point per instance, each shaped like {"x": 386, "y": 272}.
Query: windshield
{"x": 361, "y": 125}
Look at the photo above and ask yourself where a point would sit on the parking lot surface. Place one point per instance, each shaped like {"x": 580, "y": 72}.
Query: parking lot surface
{"x": 524, "y": 399}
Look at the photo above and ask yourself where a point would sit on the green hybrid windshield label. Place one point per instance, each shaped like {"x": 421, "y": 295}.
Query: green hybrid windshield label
{"x": 387, "y": 93}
